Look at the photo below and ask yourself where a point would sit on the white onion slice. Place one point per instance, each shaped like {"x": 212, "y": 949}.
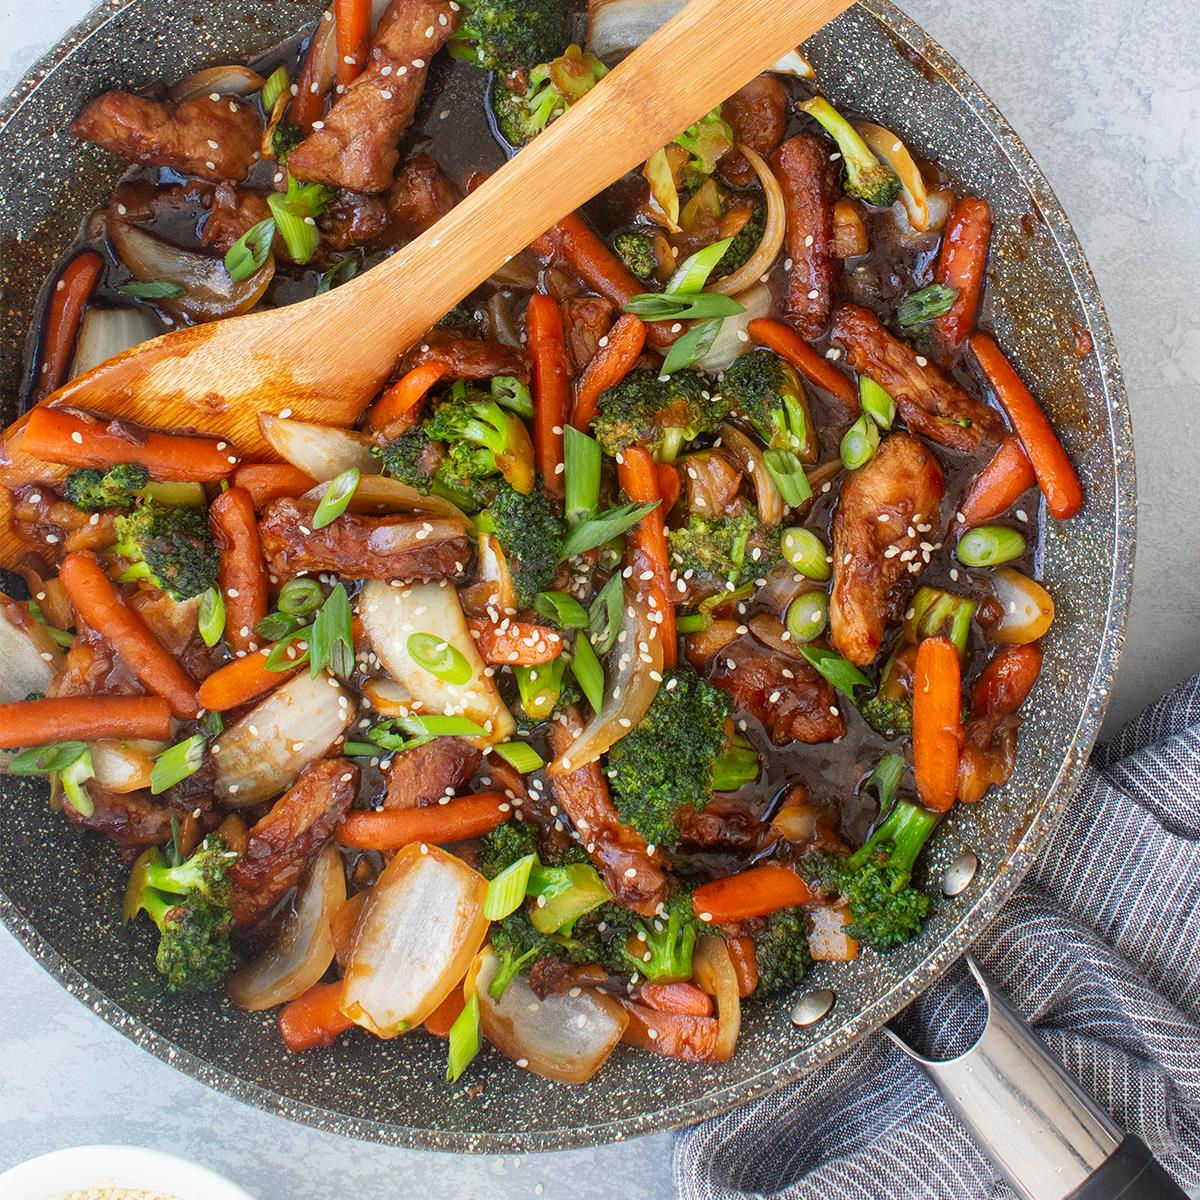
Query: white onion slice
{"x": 321, "y": 451}
{"x": 232, "y": 79}
{"x": 713, "y": 971}
{"x": 125, "y": 766}
{"x": 304, "y": 948}
{"x": 770, "y": 502}
{"x": 769, "y": 245}
{"x": 1028, "y": 608}
{"x": 106, "y": 332}
{"x": 30, "y": 658}
{"x": 729, "y": 343}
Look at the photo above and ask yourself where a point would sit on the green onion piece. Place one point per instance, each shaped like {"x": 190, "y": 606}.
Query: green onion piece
{"x": 692, "y": 623}
{"x": 807, "y": 553}
{"x": 594, "y": 532}
{"x": 442, "y": 660}
{"x": 441, "y": 727}
{"x": 213, "y": 723}
{"x": 885, "y": 780}
{"x": 151, "y": 289}
{"x": 581, "y": 475}
{"x": 698, "y": 622}
{"x": 990, "y": 546}
{"x": 212, "y": 616}
{"x": 175, "y": 491}
{"x": 60, "y": 637}
{"x": 331, "y": 639}
{"x": 511, "y": 393}
{"x": 786, "y": 469}
{"x": 604, "y": 615}
{"x": 46, "y": 760}
{"x": 336, "y": 498}
{"x": 693, "y": 272}
{"x": 73, "y": 778}
{"x": 360, "y": 749}
{"x": 465, "y": 1039}
{"x": 299, "y": 233}
{"x": 659, "y": 306}
{"x": 562, "y": 609}
{"x": 506, "y": 893}
{"x": 277, "y": 83}
{"x": 588, "y": 672}
{"x": 807, "y": 616}
{"x": 342, "y": 271}
{"x": 276, "y": 626}
{"x": 539, "y": 687}
{"x": 839, "y": 671}
{"x": 877, "y": 403}
{"x": 520, "y": 755}
{"x": 860, "y": 443}
{"x": 692, "y": 347}
{"x": 283, "y": 656}
{"x": 250, "y": 251}
{"x": 177, "y": 762}
{"x": 928, "y": 304}
{"x": 300, "y": 596}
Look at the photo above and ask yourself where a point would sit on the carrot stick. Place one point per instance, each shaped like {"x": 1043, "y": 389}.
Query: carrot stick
{"x": 683, "y": 998}
{"x": 271, "y": 481}
{"x": 443, "y": 1017}
{"x": 999, "y": 485}
{"x": 745, "y": 963}
{"x": 937, "y": 734}
{"x": 87, "y": 718}
{"x": 353, "y": 19}
{"x": 241, "y": 571}
{"x": 670, "y": 486}
{"x": 308, "y": 105}
{"x": 239, "y": 682}
{"x": 598, "y": 267}
{"x": 673, "y": 1035}
{"x": 517, "y": 642}
{"x": 314, "y": 1019}
{"x": 63, "y": 436}
{"x": 757, "y": 892}
{"x": 71, "y": 292}
{"x": 1055, "y": 475}
{"x": 638, "y": 475}
{"x": 98, "y": 602}
{"x": 551, "y": 382}
{"x": 610, "y": 364}
{"x": 816, "y": 368}
{"x": 390, "y": 829}
{"x": 402, "y": 398}
{"x": 962, "y": 264}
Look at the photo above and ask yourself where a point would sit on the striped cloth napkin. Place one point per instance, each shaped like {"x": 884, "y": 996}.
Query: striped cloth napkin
{"x": 1099, "y": 948}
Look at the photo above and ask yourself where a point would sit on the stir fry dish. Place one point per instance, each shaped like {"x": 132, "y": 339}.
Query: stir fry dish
{"x": 621, "y": 663}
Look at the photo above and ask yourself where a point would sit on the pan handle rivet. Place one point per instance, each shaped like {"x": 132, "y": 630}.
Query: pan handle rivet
{"x": 959, "y": 874}
{"x": 812, "y": 1006}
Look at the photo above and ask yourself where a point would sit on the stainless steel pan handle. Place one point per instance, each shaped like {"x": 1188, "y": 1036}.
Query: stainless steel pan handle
{"x": 1032, "y": 1119}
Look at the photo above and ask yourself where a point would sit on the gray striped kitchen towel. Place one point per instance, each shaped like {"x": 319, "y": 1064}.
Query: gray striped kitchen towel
{"x": 1099, "y": 948}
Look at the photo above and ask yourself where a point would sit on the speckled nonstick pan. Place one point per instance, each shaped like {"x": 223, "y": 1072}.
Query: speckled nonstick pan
{"x": 59, "y": 891}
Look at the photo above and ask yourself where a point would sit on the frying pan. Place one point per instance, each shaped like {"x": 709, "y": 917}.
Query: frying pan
{"x": 60, "y": 891}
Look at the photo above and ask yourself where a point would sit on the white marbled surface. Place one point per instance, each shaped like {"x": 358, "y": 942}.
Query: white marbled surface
{"x": 1107, "y": 96}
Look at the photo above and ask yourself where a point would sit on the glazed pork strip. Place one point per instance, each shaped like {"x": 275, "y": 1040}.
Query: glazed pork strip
{"x": 235, "y": 211}
{"x": 931, "y": 404}
{"x": 800, "y": 167}
{"x": 757, "y": 114}
{"x": 408, "y": 546}
{"x": 213, "y": 139}
{"x": 425, "y": 774}
{"x": 887, "y": 520}
{"x": 614, "y": 847}
{"x": 280, "y": 847}
{"x": 130, "y": 819}
{"x": 355, "y": 147}
{"x": 586, "y": 320}
{"x": 468, "y": 357}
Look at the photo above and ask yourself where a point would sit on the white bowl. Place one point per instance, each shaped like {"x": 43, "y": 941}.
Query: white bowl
{"x": 64, "y": 1171}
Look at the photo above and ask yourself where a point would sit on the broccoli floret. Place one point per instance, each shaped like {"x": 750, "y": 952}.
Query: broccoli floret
{"x": 866, "y": 177}
{"x": 661, "y": 947}
{"x": 411, "y": 458}
{"x": 505, "y": 845}
{"x": 744, "y": 243}
{"x": 524, "y": 105}
{"x": 190, "y": 904}
{"x": 530, "y": 533}
{"x": 885, "y": 911}
{"x": 722, "y": 550}
{"x": 888, "y": 716}
{"x": 171, "y": 546}
{"x": 658, "y": 413}
{"x": 767, "y": 392}
{"x": 518, "y": 946}
{"x": 636, "y": 250}
{"x": 287, "y": 136}
{"x": 781, "y": 951}
{"x": 469, "y": 414}
{"x": 668, "y": 760}
{"x": 737, "y": 767}
{"x": 706, "y": 141}
{"x": 507, "y": 35}
{"x": 93, "y": 490}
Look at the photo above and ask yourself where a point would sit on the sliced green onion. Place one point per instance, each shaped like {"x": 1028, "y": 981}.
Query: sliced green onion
{"x": 692, "y": 347}
{"x": 807, "y": 553}
{"x": 442, "y": 660}
{"x": 45, "y": 760}
{"x": 73, "y": 777}
{"x": 693, "y": 272}
{"x": 300, "y": 596}
{"x": 250, "y": 251}
{"x": 277, "y": 83}
{"x": 786, "y": 469}
{"x": 692, "y": 623}
{"x": 275, "y": 626}
{"x": 361, "y": 749}
{"x": 807, "y": 616}
{"x": 60, "y": 637}
{"x": 990, "y": 546}
{"x": 506, "y": 893}
{"x": 441, "y": 727}
{"x": 839, "y": 671}
{"x": 177, "y": 762}
{"x": 588, "y": 672}
{"x": 877, "y": 403}
{"x": 342, "y": 271}
{"x": 331, "y": 639}
{"x": 211, "y": 617}
{"x": 511, "y": 393}
{"x": 283, "y": 656}
{"x": 151, "y": 289}
{"x": 859, "y": 444}
{"x": 582, "y": 457}
{"x": 562, "y": 609}
{"x": 928, "y": 304}
{"x": 604, "y": 615}
{"x": 336, "y": 498}
{"x": 177, "y": 492}
{"x": 521, "y": 756}
{"x": 659, "y": 306}
{"x": 885, "y": 780}
{"x": 213, "y": 723}
{"x": 465, "y": 1039}
{"x": 540, "y": 687}
{"x": 594, "y": 532}
{"x": 569, "y": 892}
{"x": 300, "y": 234}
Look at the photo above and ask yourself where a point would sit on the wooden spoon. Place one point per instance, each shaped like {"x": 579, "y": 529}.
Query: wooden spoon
{"x": 327, "y": 357}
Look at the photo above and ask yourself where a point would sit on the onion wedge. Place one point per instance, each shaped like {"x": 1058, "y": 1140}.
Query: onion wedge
{"x": 318, "y": 450}
{"x": 771, "y": 242}
{"x": 767, "y": 497}
{"x": 422, "y": 925}
{"x": 715, "y": 974}
{"x": 124, "y": 767}
{"x": 1028, "y": 608}
{"x": 106, "y": 332}
{"x": 731, "y": 342}
{"x": 30, "y": 658}
{"x": 891, "y": 150}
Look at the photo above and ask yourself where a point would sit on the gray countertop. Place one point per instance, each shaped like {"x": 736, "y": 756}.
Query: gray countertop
{"x": 1106, "y": 97}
